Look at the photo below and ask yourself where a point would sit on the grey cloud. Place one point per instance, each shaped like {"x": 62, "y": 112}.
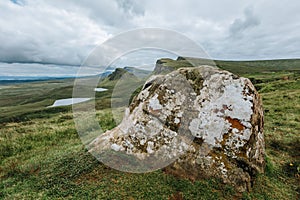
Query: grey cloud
{"x": 108, "y": 14}
{"x": 132, "y": 7}
{"x": 240, "y": 25}
{"x": 39, "y": 32}
{"x": 55, "y": 31}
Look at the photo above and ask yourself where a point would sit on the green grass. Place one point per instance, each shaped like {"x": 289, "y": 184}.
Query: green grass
{"x": 46, "y": 159}
{"x": 42, "y": 157}
{"x": 247, "y": 67}
{"x": 29, "y": 100}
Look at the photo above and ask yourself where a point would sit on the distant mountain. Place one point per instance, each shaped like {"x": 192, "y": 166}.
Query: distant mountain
{"x": 118, "y": 73}
{"x": 140, "y": 73}
{"x": 128, "y": 72}
{"x": 166, "y": 65}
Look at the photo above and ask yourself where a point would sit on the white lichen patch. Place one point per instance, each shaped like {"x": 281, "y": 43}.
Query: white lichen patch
{"x": 116, "y": 147}
{"x": 150, "y": 147}
{"x": 143, "y": 95}
{"x": 223, "y": 169}
{"x": 147, "y": 134}
{"x": 176, "y": 120}
{"x": 222, "y": 98}
{"x": 154, "y": 103}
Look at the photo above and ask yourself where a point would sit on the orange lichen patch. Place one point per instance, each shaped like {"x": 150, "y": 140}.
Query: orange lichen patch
{"x": 235, "y": 123}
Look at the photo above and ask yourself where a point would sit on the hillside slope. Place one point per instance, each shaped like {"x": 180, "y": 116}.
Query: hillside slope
{"x": 166, "y": 65}
{"x": 42, "y": 157}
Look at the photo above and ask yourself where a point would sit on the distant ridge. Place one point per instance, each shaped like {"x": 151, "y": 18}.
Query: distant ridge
{"x": 118, "y": 73}
{"x": 140, "y": 73}
{"x": 166, "y": 65}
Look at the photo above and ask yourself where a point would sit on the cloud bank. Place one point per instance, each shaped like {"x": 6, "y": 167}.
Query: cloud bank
{"x": 65, "y": 32}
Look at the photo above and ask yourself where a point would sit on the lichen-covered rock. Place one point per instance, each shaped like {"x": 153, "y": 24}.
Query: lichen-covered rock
{"x": 209, "y": 121}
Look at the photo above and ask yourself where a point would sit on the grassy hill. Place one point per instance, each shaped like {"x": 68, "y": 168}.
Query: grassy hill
{"x": 42, "y": 157}
{"x": 237, "y": 67}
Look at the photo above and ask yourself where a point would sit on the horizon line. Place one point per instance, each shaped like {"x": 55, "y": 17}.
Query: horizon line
{"x": 214, "y": 59}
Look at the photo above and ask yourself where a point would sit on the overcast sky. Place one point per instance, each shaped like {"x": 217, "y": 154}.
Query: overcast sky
{"x": 65, "y": 31}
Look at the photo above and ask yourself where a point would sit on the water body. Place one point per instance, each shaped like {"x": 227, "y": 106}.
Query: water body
{"x": 67, "y": 102}
{"x": 71, "y": 101}
{"x": 100, "y": 89}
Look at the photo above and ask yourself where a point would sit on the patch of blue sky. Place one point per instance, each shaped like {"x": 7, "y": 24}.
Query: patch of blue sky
{"x": 18, "y": 2}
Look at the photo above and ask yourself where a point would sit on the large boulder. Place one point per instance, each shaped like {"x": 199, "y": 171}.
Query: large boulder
{"x": 197, "y": 122}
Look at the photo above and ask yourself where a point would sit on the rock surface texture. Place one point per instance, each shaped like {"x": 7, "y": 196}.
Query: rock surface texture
{"x": 205, "y": 121}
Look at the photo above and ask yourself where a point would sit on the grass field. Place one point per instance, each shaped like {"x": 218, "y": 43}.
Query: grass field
{"x": 42, "y": 157}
